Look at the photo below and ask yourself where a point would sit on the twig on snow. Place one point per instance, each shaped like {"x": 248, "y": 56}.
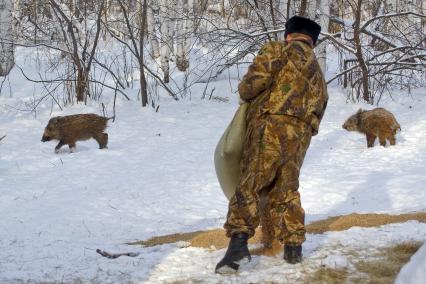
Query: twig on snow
{"x": 115, "y": 255}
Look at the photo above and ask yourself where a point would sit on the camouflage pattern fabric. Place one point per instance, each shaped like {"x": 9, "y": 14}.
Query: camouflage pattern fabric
{"x": 285, "y": 79}
{"x": 288, "y": 97}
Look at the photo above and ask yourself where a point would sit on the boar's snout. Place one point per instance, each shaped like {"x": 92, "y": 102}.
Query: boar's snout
{"x": 45, "y": 138}
{"x": 344, "y": 126}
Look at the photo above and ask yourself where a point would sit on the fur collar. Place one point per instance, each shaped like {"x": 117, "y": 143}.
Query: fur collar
{"x": 300, "y": 37}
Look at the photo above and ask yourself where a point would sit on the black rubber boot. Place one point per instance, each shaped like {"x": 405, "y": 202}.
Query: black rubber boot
{"x": 293, "y": 253}
{"x": 237, "y": 251}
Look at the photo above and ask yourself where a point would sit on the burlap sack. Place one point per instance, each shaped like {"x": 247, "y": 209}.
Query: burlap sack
{"x": 228, "y": 152}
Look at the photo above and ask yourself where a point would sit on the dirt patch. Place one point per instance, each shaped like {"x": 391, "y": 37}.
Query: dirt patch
{"x": 216, "y": 239}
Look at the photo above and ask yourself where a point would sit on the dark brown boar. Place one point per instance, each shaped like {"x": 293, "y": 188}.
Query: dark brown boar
{"x": 374, "y": 123}
{"x": 72, "y": 128}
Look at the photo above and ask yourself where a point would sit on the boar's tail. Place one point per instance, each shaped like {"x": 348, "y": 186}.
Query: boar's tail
{"x": 398, "y": 128}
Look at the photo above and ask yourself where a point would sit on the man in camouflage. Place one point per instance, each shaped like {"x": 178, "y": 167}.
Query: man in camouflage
{"x": 288, "y": 97}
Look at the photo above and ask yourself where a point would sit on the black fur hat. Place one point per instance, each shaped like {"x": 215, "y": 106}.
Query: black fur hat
{"x": 302, "y": 25}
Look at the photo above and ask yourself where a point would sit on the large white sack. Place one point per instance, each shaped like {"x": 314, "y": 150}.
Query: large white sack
{"x": 227, "y": 155}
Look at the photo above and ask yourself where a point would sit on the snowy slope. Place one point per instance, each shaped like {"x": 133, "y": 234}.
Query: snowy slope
{"x": 157, "y": 177}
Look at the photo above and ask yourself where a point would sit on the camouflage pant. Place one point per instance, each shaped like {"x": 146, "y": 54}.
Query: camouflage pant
{"x": 272, "y": 157}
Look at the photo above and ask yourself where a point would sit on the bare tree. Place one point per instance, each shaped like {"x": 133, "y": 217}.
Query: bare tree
{"x": 78, "y": 46}
{"x": 142, "y": 8}
{"x": 135, "y": 26}
{"x": 377, "y": 49}
{"x": 380, "y": 43}
{"x": 359, "y": 53}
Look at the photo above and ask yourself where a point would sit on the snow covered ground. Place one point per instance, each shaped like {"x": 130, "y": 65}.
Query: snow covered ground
{"x": 157, "y": 177}
{"x": 332, "y": 250}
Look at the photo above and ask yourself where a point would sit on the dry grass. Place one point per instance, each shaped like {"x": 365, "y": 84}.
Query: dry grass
{"x": 386, "y": 267}
{"x": 168, "y": 239}
{"x": 328, "y": 276}
{"x": 216, "y": 239}
{"x": 382, "y": 270}
{"x": 341, "y": 223}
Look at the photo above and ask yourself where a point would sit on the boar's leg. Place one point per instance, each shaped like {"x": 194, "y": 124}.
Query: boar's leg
{"x": 392, "y": 139}
{"x": 105, "y": 140}
{"x": 71, "y": 145}
{"x": 102, "y": 139}
{"x": 60, "y": 144}
{"x": 370, "y": 140}
{"x": 382, "y": 139}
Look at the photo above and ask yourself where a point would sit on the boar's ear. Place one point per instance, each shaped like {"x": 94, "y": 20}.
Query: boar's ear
{"x": 359, "y": 111}
{"x": 54, "y": 120}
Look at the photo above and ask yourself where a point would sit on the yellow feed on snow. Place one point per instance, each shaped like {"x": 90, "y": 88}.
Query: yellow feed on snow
{"x": 216, "y": 239}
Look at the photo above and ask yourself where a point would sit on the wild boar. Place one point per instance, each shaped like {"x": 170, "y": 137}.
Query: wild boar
{"x": 374, "y": 123}
{"x": 72, "y": 128}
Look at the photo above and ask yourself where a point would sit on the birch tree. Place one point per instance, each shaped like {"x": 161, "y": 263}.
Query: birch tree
{"x": 134, "y": 25}
{"x": 311, "y": 9}
{"x": 152, "y": 36}
{"x": 183, "y": 33}
{"x": 166, "y": 28}
{"x": 7, "y": 60}
{"x": 324, "y": 21}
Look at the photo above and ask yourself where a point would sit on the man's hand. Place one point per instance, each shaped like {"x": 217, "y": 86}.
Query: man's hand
{"x": 243, "y": 101}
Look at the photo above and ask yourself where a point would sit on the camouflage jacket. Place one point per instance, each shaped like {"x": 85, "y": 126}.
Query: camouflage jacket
{"x": 286, "y": 79}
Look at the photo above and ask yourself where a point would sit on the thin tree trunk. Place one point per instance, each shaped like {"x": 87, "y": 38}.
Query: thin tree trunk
{"x": 303, "y": 7}
{"x": 274, "y": 21}
{"x": 7, "y": 60}
{"x": 153, "y": 41}
{"x": 423, "y": 23}
{"x": 290, "y": 9}
{"x": 142, "y": 21}
{"x": 311, "y": 9}
{"x": 35, "y": 18}
{"x": 359, "y": 55}
{"x": 324, "y": 21}
{"x": 183, "y": 34}
{"x": 166, "y": 38}
{"x": 81, "y": 86}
